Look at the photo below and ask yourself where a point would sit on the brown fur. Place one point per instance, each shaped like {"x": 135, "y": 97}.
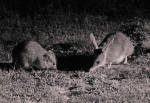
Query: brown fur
{"x": 30, "y": 53}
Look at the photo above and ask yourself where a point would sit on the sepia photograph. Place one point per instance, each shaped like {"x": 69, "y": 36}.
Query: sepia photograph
{"x": 74, "y": 51}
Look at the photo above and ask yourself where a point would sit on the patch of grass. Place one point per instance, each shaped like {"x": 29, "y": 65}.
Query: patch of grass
{"x": 68, "y": 35}
{"x": 121, "y": 83}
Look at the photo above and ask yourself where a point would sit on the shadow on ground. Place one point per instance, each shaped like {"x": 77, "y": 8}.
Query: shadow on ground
{"x": 64, "y": 63}
{"x": 70, "y": 59}
{"x": 75, "y": 62}
{"x": 6, "y": 66}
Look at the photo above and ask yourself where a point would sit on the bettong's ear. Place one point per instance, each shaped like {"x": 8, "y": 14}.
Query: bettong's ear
{"x": 92, "y": 38}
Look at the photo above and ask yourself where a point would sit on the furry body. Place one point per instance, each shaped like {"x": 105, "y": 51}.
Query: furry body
{"x": 115, "y": 49}
{"x": 30, "y": 53}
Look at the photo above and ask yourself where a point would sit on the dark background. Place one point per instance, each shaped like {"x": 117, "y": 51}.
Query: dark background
{"x": 103, "y": 7}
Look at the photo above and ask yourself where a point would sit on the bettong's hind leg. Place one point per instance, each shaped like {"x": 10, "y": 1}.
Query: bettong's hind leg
{"x": 126, "y": 60}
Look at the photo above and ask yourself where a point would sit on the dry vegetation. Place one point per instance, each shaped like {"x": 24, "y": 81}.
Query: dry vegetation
{"x": 69, "y": 35}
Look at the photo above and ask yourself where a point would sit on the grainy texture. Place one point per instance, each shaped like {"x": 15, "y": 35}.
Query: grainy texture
{"x": 115, "y": 48}
{"x": 30, "y": 53}
{"x": 71, "y": 84}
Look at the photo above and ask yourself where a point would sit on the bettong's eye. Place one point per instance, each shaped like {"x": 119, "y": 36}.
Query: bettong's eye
{"x": 46, "y": 57}
{"x": 97, "y": 62}
{"x": 54, "y": 64}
